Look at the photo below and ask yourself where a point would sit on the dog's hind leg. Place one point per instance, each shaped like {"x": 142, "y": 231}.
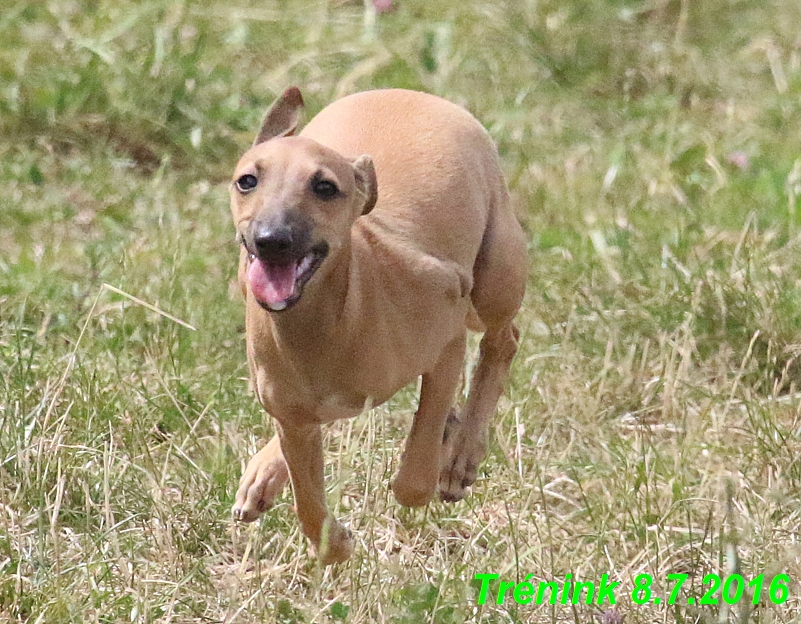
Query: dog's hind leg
{"x": 467, "y": 445}
{"x": 499, "y": 278}
{"x": 418, "y": 476}
{"x": 265, "y": 476}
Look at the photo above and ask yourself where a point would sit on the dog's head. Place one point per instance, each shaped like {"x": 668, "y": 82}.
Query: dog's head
{"x": 294, "y": 202}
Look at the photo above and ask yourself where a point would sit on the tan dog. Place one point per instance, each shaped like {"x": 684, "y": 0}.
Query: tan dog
{"x": 359, "y": 278}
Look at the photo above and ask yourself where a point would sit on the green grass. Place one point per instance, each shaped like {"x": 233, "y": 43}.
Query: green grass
{"x": 652, "y": 421}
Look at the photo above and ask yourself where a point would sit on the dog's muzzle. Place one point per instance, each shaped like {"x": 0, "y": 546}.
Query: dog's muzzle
{"x": 281, "y": 260}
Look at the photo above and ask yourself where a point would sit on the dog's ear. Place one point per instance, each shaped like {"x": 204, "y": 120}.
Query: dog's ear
{"x": 366, "y": 181}
{"x": 284, "y": 116}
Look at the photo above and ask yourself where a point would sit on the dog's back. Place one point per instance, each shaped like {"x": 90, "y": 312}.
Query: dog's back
{"x": 428, "y": 153}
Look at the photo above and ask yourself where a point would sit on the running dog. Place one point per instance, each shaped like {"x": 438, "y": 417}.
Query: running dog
{"x": 370, "y": 243}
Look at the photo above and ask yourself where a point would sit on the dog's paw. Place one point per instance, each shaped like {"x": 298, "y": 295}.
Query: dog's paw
{"x": 336, "y": 543}
{"x": 264, "y": 478}
{"x": 461, "y": 469}
{"x": 412, "y": 494}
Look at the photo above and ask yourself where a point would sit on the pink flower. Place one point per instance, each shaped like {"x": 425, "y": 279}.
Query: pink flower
{"x": 383, "y": 6}
{"x": 739, "y": 160}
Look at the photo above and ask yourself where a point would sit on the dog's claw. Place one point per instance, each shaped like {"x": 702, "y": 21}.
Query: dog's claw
{"x": 453, "y": 490}
{"x": 461, "y": 471}
{"x": 247, "y": 515}
{"x": 339, "y": 544}
{"x": 448, "y": 497}
{"x": 263, "y": 480}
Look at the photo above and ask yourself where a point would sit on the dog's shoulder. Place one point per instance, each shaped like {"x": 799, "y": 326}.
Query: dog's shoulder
{"x": 391, "y": 261}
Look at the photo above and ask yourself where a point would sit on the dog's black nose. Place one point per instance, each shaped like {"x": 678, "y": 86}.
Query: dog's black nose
{"x": 281, "y": 237}
{"x": 274, "y": 241}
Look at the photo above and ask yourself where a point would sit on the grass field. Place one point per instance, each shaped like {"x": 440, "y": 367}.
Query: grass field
{"x": 652, "y": 424}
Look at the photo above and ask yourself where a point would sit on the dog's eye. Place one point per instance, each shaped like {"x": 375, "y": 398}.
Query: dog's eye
{"x": 324, "y": 189}
{"x": 246, "y": 183}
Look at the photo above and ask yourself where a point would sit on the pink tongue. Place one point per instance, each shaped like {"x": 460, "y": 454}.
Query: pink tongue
{"x": 272, "y": 283}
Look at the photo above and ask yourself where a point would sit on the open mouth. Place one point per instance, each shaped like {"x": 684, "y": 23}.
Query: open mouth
{"x": 277, "y": 283}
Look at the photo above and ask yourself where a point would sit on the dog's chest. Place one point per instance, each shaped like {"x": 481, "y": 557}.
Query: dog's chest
{"x": 302, "y": 401}
{"x": 339, "y": 405}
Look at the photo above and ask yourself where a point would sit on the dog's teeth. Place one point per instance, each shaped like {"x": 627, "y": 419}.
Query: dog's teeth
{"x": 277, "y": 306}
{"x": 251, "y": 257}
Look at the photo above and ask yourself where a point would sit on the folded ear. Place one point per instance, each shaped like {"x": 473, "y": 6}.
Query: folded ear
{"x": 284, "y": 116}
{"x": 366, "y": 181}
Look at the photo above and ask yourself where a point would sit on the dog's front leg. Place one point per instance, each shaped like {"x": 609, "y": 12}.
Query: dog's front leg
{"x": 263, "y": 480}
{"x": 302, "y": 447}
{"x": 418, "y": 477}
